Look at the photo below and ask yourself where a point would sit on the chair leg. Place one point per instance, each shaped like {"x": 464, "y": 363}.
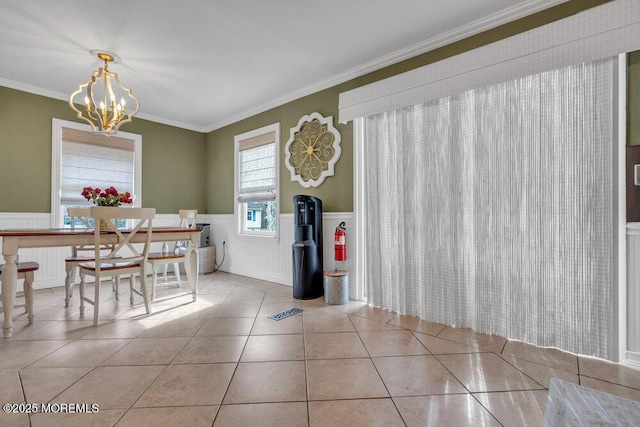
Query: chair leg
{"x": 143, "y": 288}
{"x": 131, "y": 288}
{"x": 176, "y": 270}
{"x": 115, "y": 283}
{"x": 96, "y": 301}
{"x": 154, "y": 282}
{"x": 28, "y": 295}
{"x": 69, "y": 282}
{"x": 165, "y": 268}
{"x": 82, "y": 288}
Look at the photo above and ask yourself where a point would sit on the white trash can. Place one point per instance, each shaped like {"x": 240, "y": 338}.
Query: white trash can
{"x": 336, "y": 287}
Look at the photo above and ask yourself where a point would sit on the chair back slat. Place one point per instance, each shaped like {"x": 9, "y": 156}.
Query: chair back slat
{"x": 141, "y": 218}
{"x": 124, "y": 239}
{"x": 82, "y": 215}
{"x": 188, "y": 219}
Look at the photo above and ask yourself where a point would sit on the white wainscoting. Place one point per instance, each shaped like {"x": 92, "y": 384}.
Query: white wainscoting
{"x": 51, "y": 260}
{"x": 633, "y": 292}
{"x": 253, "y": 257}
{"x": 270, "y": 259}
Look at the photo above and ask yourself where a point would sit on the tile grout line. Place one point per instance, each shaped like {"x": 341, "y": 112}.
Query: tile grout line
{"x": 306, "y": 369}
{"x": 378, "y": 373}
{"x": 234, "y": 370}
{"x": 320, "y": 312}
{"x": 156, "y": 378}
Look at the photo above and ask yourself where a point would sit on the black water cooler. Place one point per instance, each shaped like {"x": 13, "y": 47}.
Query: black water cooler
{"x": 307, "y": 247}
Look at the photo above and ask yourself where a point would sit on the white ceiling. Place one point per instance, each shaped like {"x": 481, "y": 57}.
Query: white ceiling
{"x": 203, "y": 64}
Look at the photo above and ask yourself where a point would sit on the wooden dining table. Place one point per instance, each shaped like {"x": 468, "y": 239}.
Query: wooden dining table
{"x": 15, "y": 239}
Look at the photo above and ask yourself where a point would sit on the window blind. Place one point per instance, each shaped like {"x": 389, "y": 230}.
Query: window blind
{"x": 95, "y": 161}
{"x": 257, "y": 169}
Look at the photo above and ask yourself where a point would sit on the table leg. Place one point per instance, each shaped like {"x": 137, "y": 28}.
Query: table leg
{"x": 9, "y": 283}
{"x": 191, "y": 267}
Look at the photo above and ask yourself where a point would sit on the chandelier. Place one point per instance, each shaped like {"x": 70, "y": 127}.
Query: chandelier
{"x": 104, "y": 99}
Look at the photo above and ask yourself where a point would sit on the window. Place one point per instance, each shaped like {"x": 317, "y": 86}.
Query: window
{"x": 257, "y": 180}
{"x": 82, "y": 158}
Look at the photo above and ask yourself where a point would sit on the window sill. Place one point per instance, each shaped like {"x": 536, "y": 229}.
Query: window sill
{"x": 259, "y": 237}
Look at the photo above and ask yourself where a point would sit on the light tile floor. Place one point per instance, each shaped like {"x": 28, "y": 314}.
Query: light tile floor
{"x": 221, "y": 361}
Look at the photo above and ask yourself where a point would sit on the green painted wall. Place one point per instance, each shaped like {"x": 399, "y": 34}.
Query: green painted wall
{"x": 25, "y": 150}
{"x": 173, "y": 173}
{"x": 186, "y": 169}
{"x": 337, "y": 192}
{"x": 173, "y": 166}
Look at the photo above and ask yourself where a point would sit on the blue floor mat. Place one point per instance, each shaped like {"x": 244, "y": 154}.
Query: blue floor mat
{"x": 286, "y": 313}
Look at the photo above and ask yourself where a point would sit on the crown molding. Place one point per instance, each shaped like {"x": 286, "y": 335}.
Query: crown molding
{"x": 460, "y": 33}
{"x": 476, "y": 27}
{"x": 36, "y": 90}
{"x": 170, "y": 122}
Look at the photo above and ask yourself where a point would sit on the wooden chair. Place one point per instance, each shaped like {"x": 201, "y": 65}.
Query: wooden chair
{"x": 25, "y": 272}
{"x": 124, "y": 258}
{"x": 80, "y": 254}
{"x": 188, "y": 218}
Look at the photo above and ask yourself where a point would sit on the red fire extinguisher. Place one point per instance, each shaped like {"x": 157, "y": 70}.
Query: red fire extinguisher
{"x": 340, "y": 240}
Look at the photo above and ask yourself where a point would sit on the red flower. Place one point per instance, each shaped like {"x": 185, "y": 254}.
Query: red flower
{"x": 108, "y": 197}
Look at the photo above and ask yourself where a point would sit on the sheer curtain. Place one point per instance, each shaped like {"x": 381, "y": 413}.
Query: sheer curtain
{"x": 493, "y": 209}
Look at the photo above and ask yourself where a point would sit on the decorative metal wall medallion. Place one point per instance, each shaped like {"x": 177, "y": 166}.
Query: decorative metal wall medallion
{"x": 312, "y": 150}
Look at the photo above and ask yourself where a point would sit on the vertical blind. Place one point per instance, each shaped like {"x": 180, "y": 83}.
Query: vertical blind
{"x": 492, "y": 209}
{"x": 95, "y": 161}
{"x": 257, "y": 168}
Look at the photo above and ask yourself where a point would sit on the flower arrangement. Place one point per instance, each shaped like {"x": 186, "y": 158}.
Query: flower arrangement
{"x": 108, "y": 197}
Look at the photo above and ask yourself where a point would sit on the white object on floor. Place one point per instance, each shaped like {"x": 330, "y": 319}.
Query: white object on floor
{"x": 336, "y": 287}
{"x": 570, "y": 404}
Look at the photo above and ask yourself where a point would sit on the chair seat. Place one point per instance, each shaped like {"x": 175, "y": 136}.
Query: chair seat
{"x": 82, "y": 258}
{"x": 25, "y": 272}
{"x": 23, "y": 267}
{"x": 110, "y": 267}
{"x": 164, "y": 255}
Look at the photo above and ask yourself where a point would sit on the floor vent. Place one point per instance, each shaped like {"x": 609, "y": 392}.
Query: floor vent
{"x": 286, "y": 313}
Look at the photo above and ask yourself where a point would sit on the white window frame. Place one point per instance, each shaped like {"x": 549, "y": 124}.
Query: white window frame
{"x": 240, "y": 213}
{"x": 57, "y": 215}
